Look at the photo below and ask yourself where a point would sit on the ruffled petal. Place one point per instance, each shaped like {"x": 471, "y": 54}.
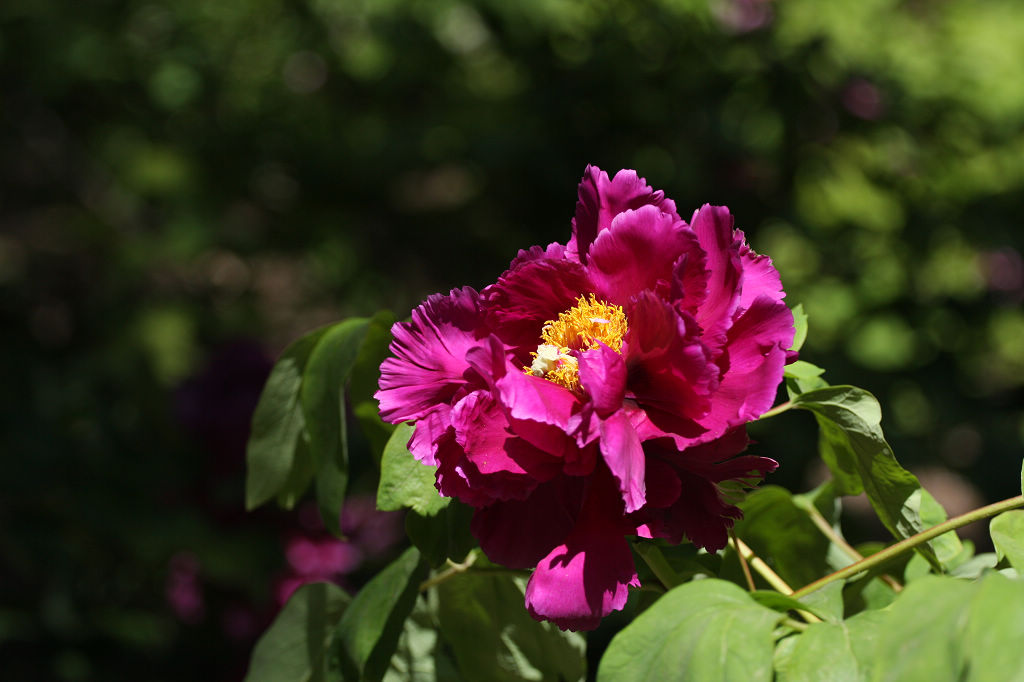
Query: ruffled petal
{"x": 713, "y": 227}
{"x": 537, "y": 399}
{"x": 760, "y": 278}
{"x": 457, "y": 476}
{"x": 670, "y": 375}
{"x": 482, "y": 431}
{"x": 756, "y": 345}
{"x": 638, "y": 252}
{"x": 523, "y": 299}
{"x": 601, "y": 199}
{"x": 429, "y": 356}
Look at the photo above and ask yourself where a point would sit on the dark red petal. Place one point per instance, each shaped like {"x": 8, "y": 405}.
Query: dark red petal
{"x": 519, "y": 533}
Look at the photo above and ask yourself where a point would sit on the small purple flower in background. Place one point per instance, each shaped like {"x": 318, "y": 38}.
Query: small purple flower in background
{"x": 599, "y": 389}
{"x": 316, "y": 556}
{"x": 183, "y": 590}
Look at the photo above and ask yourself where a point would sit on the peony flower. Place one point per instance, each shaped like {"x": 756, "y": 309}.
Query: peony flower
{"x": 598, "y": 390}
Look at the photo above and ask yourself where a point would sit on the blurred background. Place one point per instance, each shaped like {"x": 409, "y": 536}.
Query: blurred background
{"x": 187, "y": 186}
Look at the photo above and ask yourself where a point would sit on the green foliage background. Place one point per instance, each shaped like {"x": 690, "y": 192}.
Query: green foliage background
{"x": 176, "y": 176}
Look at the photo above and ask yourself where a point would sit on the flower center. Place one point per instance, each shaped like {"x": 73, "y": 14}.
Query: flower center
{"x": 579, "y": 328}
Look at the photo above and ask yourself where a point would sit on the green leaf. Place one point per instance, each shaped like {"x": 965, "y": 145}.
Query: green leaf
{"x": 404, "y": 482}
{"x": 493, "y": 637}
{"x": 372, "y": 352}
{"x": 368, "y": 632}
{"x": 277, "y": 424}
{"x": 996, "y": 630}
{"x": 376, "y": 430}
{"x": 830, "y": 651}
{"x": 421, "y": 655}
{"x": 827, "y": 601}
{"x": 854, "y": 448}
{"x": 445, "y": 535}
{"x": 802, "y": 370}
{"x": 800, "y": 325}
{"x": 294, "y": 648}
{"x": 922, "y": 637}
{"x": 323, "y": 404}
{"x": 782, "y": 534}
{"x": 1007, "y": 531}
{"x": 703, "y": 630}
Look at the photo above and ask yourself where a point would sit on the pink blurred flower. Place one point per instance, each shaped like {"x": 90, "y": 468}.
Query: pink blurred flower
{"x": 599, "y": 389}
{"x": 183, "y": 590}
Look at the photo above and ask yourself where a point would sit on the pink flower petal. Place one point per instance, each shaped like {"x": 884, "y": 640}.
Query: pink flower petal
{"x": 603, "y": 377}
{"x": 537, "y": 399}
{"x": 637, "y": 251}
{"x": 430, "y": 356}
{"x": 624, "y": 455}
{"x": 587, "y": 577}
{"x": 601, "y": 199}
{"x": 713, "y": 227}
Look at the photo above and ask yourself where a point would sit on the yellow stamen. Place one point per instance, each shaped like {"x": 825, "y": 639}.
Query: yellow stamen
{"x": 582, "y": 327}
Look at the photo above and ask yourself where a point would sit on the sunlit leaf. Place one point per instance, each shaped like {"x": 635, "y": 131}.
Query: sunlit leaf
{"x": 294, "y": 648}
{"x": 996, "y": 630}
{"x": 1007, "y": 531}
{"x": 405, "y": 482}
{"x": 800, "y": 324}
{"x": 854, "y": 448}
{"x": 703, "y": 630}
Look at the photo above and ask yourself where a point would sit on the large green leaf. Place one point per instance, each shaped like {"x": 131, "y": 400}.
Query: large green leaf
{"x": 277, "y": 424}
{"x": 294, "y": 648}
{"x": 493, "y": 637}
{"x": 703, "y": 630}
{"x": 367, "y": 635}
{"x": 854, "y": 448}
{"x": 404, "y": 482}
{"x": 1007, "y": 531}
{"x": 922, "y": 637}
{"x": 830, "y": 652}
{"x": 323, "y": 404}
{"x": 996, "y": 630}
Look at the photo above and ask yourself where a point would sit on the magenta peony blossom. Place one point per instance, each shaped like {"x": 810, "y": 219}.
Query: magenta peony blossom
{"x": 597, "y": 390}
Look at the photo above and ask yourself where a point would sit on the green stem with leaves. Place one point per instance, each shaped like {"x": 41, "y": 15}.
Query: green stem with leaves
{"x": 902, "y": 546}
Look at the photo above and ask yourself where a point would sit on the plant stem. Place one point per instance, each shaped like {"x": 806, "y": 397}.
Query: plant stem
{"x": 778, "y": 409}
{"x": 743, "y": 559}
{"x": 829, "y": 532}
{"x": 894, "y": 550}
{"x": 795, "y": 624}
{"x": 452, "y": 570}
{"x": 746, "y": 554}
{"x": 653, "y": 557}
